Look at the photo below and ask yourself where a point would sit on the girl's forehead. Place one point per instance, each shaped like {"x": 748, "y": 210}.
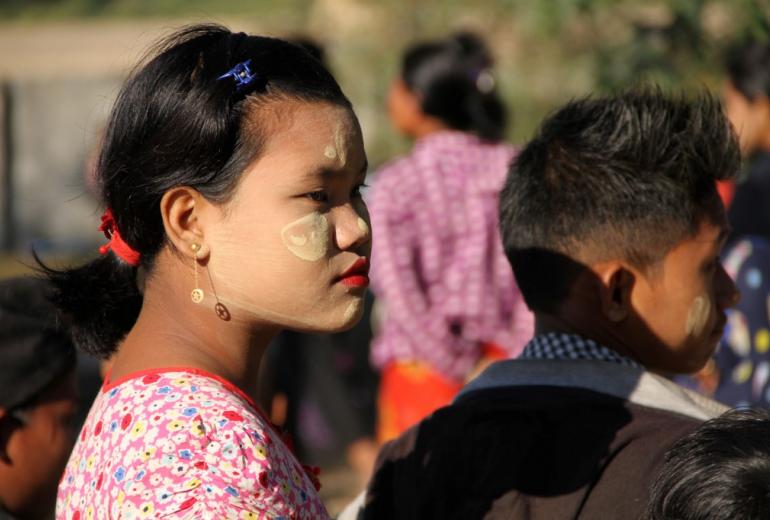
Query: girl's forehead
{"x": 292, "y": 123}
{"x": 307, "y": 137}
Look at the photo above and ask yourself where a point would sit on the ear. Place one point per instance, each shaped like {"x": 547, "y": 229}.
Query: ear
{"x": 185, "y": 212}
{"x": 7, "y": 425}
{"x": 617, "y": 281}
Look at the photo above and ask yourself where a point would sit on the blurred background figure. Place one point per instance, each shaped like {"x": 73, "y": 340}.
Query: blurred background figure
{"x": 449, "y": 302}
{"x": 747, "y": 101}
{"x": 38, "y": 399}
{"x": 739, "y": 375}
{"x": 721, "y": 470}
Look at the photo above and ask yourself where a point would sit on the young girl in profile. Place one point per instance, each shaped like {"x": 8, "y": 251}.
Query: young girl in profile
{"x": 230, "y": 171}
{"x": 450, "y": 302}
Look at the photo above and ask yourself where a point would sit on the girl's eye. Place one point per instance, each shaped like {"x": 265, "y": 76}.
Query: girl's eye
{"x": 317, "y": 196}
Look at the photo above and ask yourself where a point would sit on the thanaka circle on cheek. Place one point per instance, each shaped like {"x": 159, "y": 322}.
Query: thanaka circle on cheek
{"x": 330, "y": 152}
{"x": 307, "y": 238}
{"x": 698, "y": 317}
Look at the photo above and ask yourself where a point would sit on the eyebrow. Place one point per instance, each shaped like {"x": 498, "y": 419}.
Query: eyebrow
{"x": 327, "y": 173}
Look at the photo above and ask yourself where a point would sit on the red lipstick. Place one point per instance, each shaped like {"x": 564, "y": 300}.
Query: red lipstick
{"x": 357, "y": 275}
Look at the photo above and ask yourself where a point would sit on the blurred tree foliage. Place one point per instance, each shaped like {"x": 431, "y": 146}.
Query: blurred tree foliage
{"x": 548, "y": 50}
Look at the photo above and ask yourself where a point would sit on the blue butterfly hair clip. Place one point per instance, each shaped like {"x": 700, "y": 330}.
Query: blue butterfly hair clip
{"x": 242, "y": 75}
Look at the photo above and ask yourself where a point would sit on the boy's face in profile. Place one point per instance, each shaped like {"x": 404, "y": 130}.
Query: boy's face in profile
{"x": 682, "y": 303}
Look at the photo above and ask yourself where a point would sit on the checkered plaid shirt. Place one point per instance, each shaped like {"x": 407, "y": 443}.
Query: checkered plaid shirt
{"x": 438, "y": 264}
{"x": 556, "y": 345}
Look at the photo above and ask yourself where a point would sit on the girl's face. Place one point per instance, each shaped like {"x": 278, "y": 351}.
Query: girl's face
{"x": 292, "y": 247}
{"x": 751, "y": 119}
{"x": 403, "y": 108}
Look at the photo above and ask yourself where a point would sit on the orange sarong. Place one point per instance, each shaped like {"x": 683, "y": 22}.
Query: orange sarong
{"x": 412, "y": 390}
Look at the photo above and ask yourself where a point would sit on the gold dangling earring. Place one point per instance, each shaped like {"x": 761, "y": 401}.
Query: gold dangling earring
{"x": 197, "y": 293}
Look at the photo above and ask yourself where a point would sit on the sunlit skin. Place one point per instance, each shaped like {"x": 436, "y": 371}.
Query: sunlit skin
{"x": 244, "y": 263}
{"x": 668, "y": 317}
{"x": 35, "y": 449}
{"x": 750, "y": 118}
{"x": 406, "y": 113}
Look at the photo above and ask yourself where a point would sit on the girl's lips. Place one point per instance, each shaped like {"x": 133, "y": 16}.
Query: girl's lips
{"x": 357, "y": 275}
{"x": 356, "y": 280}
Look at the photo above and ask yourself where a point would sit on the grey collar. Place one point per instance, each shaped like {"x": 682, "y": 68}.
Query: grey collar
{"x": 631, "y": 383}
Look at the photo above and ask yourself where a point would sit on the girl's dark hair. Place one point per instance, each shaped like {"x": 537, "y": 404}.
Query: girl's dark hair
{"x": 176, "y": 124}
{"x": 454, "y": 80}
{"x": 748, "y": 67}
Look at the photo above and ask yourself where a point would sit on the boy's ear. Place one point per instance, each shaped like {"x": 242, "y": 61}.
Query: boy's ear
{"x": 7, "y": 425}
{"x": 617, "y": 281}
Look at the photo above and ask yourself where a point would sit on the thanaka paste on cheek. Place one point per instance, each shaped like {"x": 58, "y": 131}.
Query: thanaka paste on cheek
{"x": 362, "y": 225}
{"x": 308, "y": 237}
{"x": 698, "y": 317}
{"x": 353, "y": 311}
{"x": 330, "y": 152}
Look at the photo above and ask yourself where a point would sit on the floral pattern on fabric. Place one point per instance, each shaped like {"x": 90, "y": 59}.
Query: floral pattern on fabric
{"x": 182, "y": 444}
{"x": 743, "y": 357}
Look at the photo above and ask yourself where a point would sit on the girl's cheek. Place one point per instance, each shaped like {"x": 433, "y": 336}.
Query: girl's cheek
{"x": 307, "y": 238}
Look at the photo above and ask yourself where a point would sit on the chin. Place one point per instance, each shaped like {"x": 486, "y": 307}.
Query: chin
{"x": 338, "y": 320}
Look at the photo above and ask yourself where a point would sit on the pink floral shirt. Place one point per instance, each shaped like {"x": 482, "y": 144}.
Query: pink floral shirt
{"x": 181, "y": 443}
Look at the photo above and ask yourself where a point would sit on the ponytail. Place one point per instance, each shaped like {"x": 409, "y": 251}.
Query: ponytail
{"x": 100, "y": 298}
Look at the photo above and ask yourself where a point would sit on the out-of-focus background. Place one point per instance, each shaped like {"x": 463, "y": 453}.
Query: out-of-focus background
{"x": 62, "y": 62}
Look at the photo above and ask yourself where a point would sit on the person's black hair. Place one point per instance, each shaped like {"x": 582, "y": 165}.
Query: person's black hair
{"x": 176, "y": 124}
{"x": 453, "y": 78}
{"x": 626, "y": 176}
{"x": 748, "y": 68}
{"x": 719, "y": 471}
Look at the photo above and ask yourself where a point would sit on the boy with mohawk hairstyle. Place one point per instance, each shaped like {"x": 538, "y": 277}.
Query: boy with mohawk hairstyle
{"x": 613, "y": 226}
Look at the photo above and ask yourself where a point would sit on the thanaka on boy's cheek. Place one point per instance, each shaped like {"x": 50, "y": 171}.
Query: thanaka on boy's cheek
{"x": 698, "y": 317}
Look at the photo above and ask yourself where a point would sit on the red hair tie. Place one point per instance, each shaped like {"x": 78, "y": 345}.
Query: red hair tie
{"x": 116, "y": 243}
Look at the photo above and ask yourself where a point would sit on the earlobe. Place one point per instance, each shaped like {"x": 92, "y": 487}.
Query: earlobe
{"x": 183, "y": 210}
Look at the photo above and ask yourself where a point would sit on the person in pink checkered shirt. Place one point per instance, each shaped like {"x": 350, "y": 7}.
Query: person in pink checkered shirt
{"x": 449, "y": 298}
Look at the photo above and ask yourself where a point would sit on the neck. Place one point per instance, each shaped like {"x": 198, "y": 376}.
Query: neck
{"x": 428, "y": 126}
{"x": 192, "y": 335}
{"x": 605, "y": 336}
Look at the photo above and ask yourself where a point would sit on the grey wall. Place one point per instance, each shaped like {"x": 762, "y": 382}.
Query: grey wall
{"x": 53, "y": 127}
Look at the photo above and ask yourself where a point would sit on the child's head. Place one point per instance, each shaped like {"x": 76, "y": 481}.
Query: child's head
{"x": 623, "y": 188}
{"x": 38, "y": 398}
{"x": 243, "y": 148}
{"x": 747, "y": 94}
{"x": 448, "y": 83}
{"x": 721, "y": 470}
